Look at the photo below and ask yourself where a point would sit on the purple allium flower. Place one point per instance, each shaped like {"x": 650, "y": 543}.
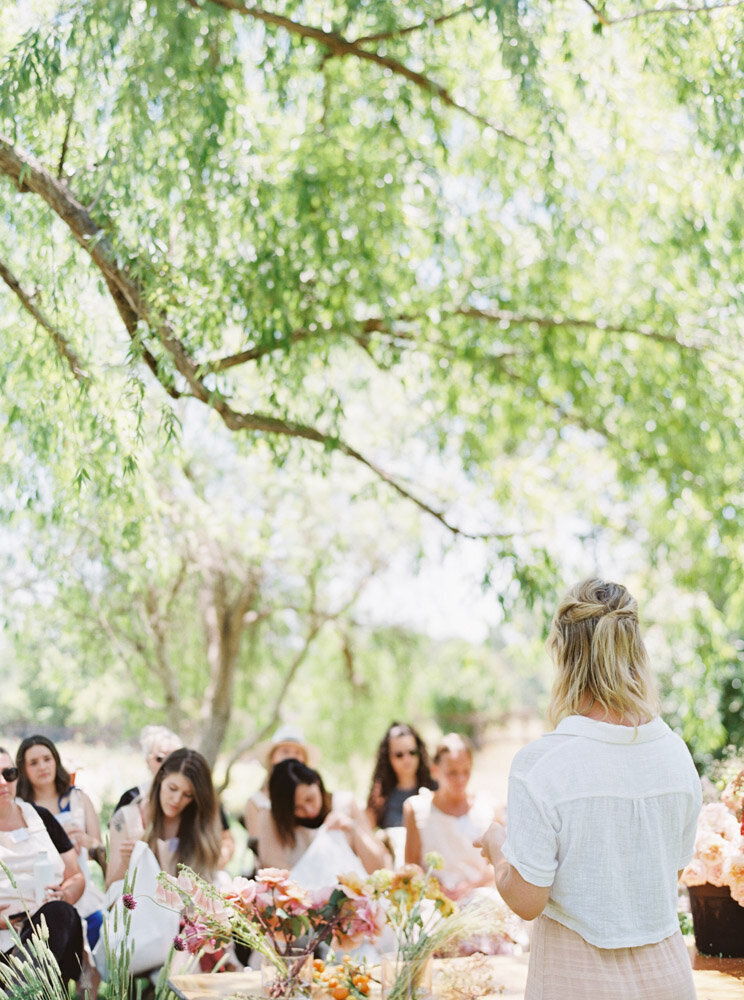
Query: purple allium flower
{"x": 129, "y": 901}
{"x": 179, "y": 944}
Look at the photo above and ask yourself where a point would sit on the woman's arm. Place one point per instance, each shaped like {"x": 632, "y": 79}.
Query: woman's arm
{"x": 120, "y": 848}
{"x": 371, "y": 852}
{"x": 251, "y": 818}
{"x": 70, "y": 889}
{"x": 90, "y": 835}
{"x": 525, "y": 899}
{"x": 227, "y": 848}
{"x": 413, "y": 838}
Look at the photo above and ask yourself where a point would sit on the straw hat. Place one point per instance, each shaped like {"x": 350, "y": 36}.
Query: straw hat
{"x": 291, "y": 737}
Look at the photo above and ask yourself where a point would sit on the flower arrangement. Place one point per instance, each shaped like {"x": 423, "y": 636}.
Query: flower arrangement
{"x": 285, "y": 923}
{"x": 423, "y": 920}
{"x": 274, "y": 916}
{"x": 719, "y": 845}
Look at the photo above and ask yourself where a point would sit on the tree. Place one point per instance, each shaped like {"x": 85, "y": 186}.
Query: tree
{"x": 284, "y": 216}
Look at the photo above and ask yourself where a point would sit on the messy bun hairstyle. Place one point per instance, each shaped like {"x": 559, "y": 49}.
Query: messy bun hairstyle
{"x": 595, "y": 642}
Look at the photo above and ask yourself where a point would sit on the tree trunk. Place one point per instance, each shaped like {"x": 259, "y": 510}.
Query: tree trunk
{"x": 225, "y": 623}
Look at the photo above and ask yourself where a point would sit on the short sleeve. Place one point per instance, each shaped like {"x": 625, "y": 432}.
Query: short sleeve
{"x": 531, "y": 844}
{"x": 690, "y": 829}
{"x": 56, "y": 834}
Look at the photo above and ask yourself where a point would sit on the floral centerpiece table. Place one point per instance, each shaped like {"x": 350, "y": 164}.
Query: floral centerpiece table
{"x": 715, "y": 876}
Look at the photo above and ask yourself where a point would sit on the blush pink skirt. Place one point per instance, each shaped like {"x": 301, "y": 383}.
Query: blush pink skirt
{"x": 563, "y": 966}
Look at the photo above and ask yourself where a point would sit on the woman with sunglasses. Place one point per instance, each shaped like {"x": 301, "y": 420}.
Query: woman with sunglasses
{"x": 401, "y": 769}
{"x": 46, "y": 878}
{"x": 44, "y": 781}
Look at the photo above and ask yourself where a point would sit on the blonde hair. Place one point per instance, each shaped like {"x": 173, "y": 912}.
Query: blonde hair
{"x": 595, "y": 641}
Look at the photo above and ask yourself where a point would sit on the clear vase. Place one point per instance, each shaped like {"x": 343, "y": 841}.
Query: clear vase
{"x": 405, "y": 978}
{"x": 289, "y": 976}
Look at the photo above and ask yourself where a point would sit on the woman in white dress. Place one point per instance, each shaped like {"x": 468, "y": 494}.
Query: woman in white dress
{"x": 449, "y": 819}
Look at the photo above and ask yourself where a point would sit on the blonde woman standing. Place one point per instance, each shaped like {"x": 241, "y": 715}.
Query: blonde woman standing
{"x": 601, "y": 817}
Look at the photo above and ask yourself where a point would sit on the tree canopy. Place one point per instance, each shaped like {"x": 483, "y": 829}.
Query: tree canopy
{"x": 483, "y": 256}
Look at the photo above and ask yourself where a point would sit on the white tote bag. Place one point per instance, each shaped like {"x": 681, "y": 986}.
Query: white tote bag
{"x": 327, "y": 857}
{"x": 152, "y": 925}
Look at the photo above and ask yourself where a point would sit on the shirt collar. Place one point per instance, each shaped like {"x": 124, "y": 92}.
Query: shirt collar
{"x": 606, "y": 732}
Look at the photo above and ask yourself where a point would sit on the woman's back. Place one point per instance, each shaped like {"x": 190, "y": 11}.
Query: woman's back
{"x": 605, "y": 814}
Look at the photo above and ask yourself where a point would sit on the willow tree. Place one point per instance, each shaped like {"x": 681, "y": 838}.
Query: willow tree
{"x": 519, "y": 220}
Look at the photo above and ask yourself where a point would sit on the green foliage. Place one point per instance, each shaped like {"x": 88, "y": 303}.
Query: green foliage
{"x": 490, "y": 253}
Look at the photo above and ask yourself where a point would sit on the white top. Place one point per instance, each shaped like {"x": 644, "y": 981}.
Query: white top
{"x": 606, "y": 815}
{"x": 19, "y": 851}
{"x": 453, "y": 836}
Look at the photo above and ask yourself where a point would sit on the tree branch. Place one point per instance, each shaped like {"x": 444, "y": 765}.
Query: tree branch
{"x": 60, "y": 341}
{"x": 597, "y": 13}
{"x": 134, "y": 309}
{"x": 317, "y": 621}
{"x": 384, "y": 36}
{"x": 337, "y": 45}
{"x": 254, "y": 353}
{"x": 377, "y": 324}
{"x": 380, "y": 325}
{"x": 703, "y": 8}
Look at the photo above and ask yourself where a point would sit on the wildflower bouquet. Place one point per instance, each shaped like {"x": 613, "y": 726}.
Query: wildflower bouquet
{"x": 274, "y": 916}
{"x": 423, "y": 920}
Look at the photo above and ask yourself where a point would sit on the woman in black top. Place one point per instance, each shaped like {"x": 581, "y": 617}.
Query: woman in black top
{"x": 402, "y": 768}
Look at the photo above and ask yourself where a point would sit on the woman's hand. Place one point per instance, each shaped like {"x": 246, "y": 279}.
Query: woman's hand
{"x": 491, "y": 843}
{"x": 79, "y": 838}
{"x": 125, "y": 853}
{"x": 339, "y": 821}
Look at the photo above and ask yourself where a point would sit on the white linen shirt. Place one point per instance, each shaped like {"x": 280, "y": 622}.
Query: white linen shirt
{"x": 606, "y": 816}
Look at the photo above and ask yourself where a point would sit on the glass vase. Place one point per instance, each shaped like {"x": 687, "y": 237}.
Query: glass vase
{"x": 405, "y": 978}
{"x": 290, "y": 976}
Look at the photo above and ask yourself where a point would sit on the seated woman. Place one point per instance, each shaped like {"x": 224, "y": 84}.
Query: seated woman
{"x": 447, "y": 821}
{"x": 157, "y": 742}
{"x": 287, "y": 743}
{"x": 178, "y": 820}
{"x": 300, "y": 808}
{"x": 402, "y": 768}
{"x": 43, "y": 781}
{"x": 34, "y": 848}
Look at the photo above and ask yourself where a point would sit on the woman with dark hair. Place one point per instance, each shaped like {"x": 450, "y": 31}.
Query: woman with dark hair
{"x": 401, "y": 769}
{"x": 300, "y": 807}
{"x": 44, "y": 781}
{"x": 179, "y": 820}
{"x": 40, "y": 876}
{"x": 601, "y": 817}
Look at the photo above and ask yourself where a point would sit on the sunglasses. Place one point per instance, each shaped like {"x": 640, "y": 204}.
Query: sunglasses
{"x": 9, "y": 773}
{"x": 400, "y": 754}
